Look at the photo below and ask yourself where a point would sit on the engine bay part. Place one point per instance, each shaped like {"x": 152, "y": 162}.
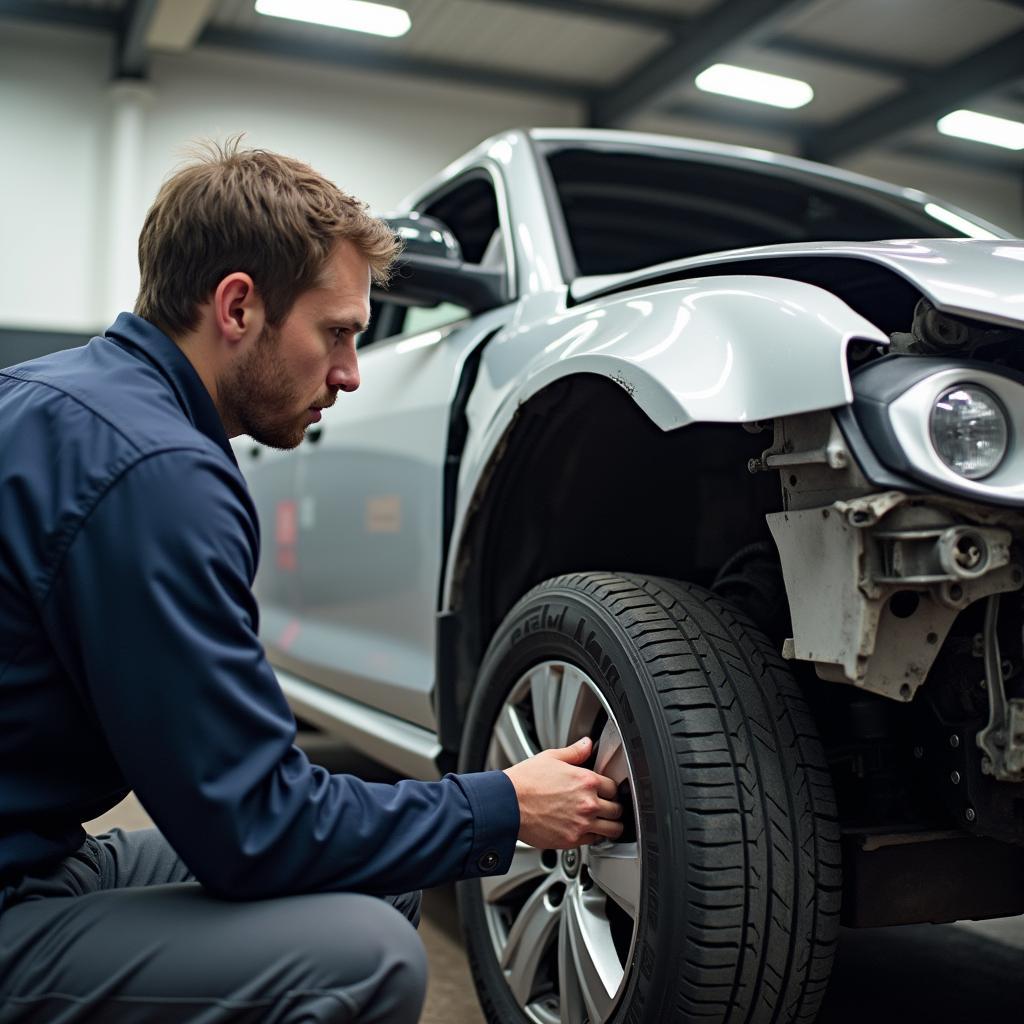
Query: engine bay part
{"x": 1002, "y": 739}
{"x": 876, "y": 582}
{"x": 934, "y": 332}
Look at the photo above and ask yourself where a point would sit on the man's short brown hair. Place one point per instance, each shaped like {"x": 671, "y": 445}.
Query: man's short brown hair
{"x": 248, "y": 210}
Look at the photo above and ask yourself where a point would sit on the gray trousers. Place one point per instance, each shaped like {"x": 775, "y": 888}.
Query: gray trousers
{"x": 121, "y": 933}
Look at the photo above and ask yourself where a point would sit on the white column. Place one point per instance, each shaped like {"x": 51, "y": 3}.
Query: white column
{"x": 126, "y": 207}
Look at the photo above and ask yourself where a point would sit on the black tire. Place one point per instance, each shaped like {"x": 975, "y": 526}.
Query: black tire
{"x": 739, "y": 859}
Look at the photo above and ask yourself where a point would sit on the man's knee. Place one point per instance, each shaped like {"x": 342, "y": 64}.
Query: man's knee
{"x": 409, "y": 982}
{"x": 394, "y": 981}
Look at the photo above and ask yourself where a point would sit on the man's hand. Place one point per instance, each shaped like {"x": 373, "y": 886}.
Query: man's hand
{"x": 562, "y": 805}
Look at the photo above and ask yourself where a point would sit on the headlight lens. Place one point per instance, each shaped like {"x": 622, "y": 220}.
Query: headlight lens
{"x": 969, "y": 430}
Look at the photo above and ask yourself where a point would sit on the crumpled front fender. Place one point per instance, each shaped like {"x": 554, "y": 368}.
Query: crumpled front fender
{"x": 724, "y": 349}
{"x": 731, "y": 349}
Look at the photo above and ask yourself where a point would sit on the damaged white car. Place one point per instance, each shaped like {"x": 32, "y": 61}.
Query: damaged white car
{"x": 671, "y": 444}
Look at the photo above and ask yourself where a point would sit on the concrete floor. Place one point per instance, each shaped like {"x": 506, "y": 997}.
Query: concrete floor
{"x": 971, "y": 973}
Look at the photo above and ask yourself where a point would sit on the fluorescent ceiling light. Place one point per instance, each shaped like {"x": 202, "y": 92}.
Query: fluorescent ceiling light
{"x": 996, "y": 131}
{"x": 954, "y": 220}
{"x": 756, "y": 86}
{"x": 354, "y": 15}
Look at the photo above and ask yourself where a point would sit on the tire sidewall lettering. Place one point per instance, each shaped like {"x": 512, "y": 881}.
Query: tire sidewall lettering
{"x": 589, "y": 644}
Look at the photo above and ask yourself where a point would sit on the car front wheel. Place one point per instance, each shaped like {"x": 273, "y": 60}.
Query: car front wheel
{"x": 721, "y": 898}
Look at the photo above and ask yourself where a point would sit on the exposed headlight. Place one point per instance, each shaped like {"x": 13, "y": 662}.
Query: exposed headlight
{"x": 969, "y": 430}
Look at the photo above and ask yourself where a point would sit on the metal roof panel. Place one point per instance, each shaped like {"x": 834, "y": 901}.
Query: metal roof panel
{"x": 500, "y": 35}
{"x": 928, "y": 33}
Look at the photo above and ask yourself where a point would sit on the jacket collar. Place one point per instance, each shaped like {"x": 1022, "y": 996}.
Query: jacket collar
{"x": 195, "y": 401}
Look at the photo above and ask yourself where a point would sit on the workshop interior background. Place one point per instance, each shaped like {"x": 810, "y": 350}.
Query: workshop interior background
{"x": 100, "y": 100}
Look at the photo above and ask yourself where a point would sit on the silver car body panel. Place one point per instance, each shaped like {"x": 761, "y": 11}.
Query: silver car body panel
{"x": 407, "y": 748}
{"x": 353, "y": 570}
{"x": 685, "y": 352}
{"x": 966, "y": 276}
{"x": 360, "y": 620}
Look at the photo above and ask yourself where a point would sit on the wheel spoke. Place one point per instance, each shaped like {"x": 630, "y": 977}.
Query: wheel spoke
{"x": 611, "y": 755}
{"x": 526, "y": 866}
{"x": 528, "y": 940}
{"x": 615, "y": 869}
{"x": 593, "y": 954}
{"x": 570, "y": 996}
{"x": 562, "y": 921}
{"x": 510, "y": 733}
{"x": 544, "y": 689}
{"x": 578, "y": 706}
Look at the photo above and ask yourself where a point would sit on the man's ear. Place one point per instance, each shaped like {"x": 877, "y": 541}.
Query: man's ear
{"x": 238, "y": 312}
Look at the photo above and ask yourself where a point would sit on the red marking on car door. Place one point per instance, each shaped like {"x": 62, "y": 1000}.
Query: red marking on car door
{"x": 286, "y": 533}
{"x": 289, "y": 634}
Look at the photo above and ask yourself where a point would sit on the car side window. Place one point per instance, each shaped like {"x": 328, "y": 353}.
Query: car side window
{"x": 426, "y": 318}
{"x": 390, "y": 320}
{"x": 470, "y": 211}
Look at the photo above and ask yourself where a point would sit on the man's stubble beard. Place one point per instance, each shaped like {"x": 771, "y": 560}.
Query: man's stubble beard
{"x": 261, "y": 396}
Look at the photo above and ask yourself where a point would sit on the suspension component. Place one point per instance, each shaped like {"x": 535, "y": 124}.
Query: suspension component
{"x": 1002, "y": 740}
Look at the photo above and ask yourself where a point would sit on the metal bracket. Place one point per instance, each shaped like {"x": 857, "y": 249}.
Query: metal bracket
{"x": 1002, "y": 740}
{"x": 875, "y": 583}
{"x": 833, "y": 454}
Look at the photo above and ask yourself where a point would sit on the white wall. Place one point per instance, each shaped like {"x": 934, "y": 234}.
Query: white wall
{"x": 996, "y": 197}
{"x": 376, "y": 136}
{"x": 67, "y": 237}
{"x": 52, "y": 152}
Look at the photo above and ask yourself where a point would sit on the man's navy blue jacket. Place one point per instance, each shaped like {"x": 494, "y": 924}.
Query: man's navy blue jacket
{"x": 129, "y": 656}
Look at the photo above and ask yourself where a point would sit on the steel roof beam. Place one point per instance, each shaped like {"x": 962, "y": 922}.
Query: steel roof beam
{"x": 676, "y": 25}
{"x": 936, "y": 94}
{"x": 132, "y": 59}
{"x": 79, "y": 17}
{"x": 637, "y": 17}
{"x": 727, "y": 25}
{"x": 353, "y": 57}
{"x": 940, "y": 151}
{"x": 672, "y": 25}
{"x": 842, "y": 57}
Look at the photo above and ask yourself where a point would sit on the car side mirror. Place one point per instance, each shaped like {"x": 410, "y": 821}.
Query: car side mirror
{"x": 431, "y": 270}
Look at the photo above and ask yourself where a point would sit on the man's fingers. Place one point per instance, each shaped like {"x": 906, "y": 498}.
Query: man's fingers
{"x": 575, "y": 753}
{"x": 604, "y": 830}
{"x": 609, "y": 809}
{"x": 606, "y": 787}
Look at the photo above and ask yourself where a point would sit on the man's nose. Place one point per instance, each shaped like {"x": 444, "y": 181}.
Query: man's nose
{"x": 344, "y": 375}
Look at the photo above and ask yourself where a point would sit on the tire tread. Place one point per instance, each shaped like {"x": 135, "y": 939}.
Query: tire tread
{"x": 761, "y": 882}
{"x": 718, "y": 678}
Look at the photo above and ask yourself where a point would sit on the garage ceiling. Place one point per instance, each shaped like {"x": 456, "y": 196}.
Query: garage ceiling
{"x": 882, "y": 71}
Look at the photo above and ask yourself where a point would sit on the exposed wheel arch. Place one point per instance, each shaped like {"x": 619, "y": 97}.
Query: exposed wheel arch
{"x": 586, "y": 479}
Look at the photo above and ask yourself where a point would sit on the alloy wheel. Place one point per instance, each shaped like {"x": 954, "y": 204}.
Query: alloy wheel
{"x": 563, "y": 924}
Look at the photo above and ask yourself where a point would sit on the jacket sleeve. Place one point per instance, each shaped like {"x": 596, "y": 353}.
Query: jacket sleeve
{"x": 152, "y": 614}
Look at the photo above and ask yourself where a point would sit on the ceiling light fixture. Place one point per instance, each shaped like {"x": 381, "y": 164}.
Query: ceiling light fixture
{"x": 996, "y": 131}
{"x": 354, "y": 15}
{"x": 756, "y": 86}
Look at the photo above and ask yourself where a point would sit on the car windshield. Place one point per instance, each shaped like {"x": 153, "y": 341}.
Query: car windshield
{"x": 630, "y": 209}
